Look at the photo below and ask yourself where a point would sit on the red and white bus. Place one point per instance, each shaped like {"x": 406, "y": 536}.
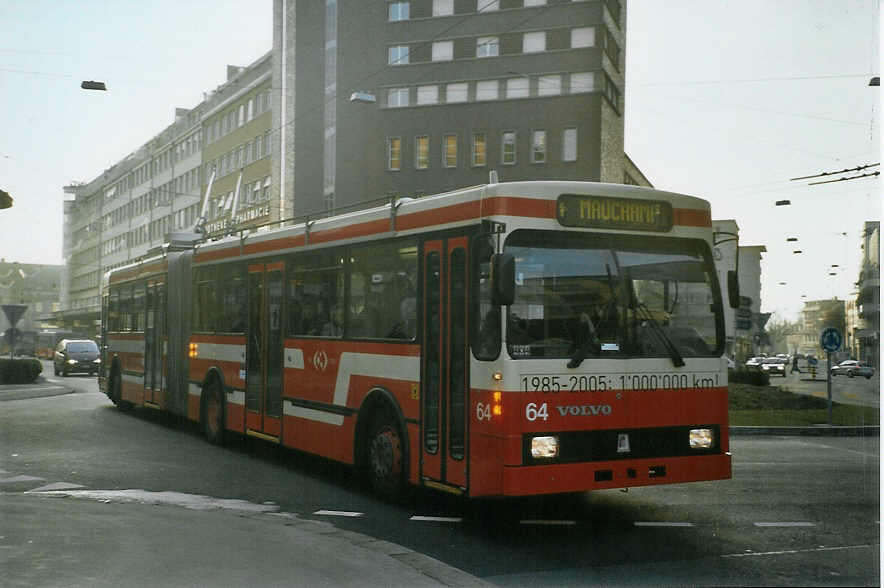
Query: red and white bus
{"x": 501, "y": 340}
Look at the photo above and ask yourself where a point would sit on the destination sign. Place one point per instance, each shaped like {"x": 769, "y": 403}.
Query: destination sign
{"x": 578, "y": 210}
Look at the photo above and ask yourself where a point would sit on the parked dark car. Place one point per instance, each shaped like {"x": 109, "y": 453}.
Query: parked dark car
{"x": 76, "y": 356}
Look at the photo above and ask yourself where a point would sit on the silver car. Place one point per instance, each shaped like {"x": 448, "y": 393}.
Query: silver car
{"x": 851, "y": 368}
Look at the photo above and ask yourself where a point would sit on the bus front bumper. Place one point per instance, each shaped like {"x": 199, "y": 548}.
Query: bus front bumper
{"x": 584, "y": 476}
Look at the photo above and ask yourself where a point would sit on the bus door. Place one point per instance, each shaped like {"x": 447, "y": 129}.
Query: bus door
{"x": 445, "y": 361}
{"x": 154, "y": 339}
{"x": 264, "y": 351}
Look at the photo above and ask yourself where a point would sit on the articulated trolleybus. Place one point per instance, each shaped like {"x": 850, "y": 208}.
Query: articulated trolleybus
{"x": 501, "y": 340}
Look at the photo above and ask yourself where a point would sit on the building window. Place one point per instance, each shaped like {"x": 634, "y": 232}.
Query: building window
{"x": 612, "y": 49}
{"x": 398, "y": 11}
{"x": 487, "y": 47}
{"x": 267, "y": 145}
{"x": 508, "y": 148}
{"x": 486, "y": 90}
{"x": 612, "y": 93}
{"x": 428, "y": 94}
{"x": 456, "y": 92}
{"x": 486, "y": 5}
{"x": 397, "y": 55}
{"x": 449, "y": 151}
{"x": 517, "y": 88}
{"x": 443, "y": 7}
{"x": 443, "y": 51}
{"x": 251, "y": 110}
{"x": 422, "y": 152}
{"x": 394, "y": 153}
{"x": 478, "y": 155}
{"x": 549, "y": 85}
{"x": 397, "y": 97}
{"x": 582, "y": 37}
{"x": 569, "y": 145}
{"x": 538, "y": 147}
{"x": 534, "y": 42}
{"x": 582, "y": 82}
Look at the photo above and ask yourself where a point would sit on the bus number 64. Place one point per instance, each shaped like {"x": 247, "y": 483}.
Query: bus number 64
{"x": 534, "y": 412}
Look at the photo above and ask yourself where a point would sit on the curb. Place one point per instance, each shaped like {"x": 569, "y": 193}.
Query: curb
{"x": 812, "y": 431}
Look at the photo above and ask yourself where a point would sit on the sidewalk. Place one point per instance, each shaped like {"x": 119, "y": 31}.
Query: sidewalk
{"x": 56, "y": 539}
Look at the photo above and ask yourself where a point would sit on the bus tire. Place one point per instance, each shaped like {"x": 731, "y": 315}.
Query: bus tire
{"x": 212, "y": 412}
{"x": 385, "y": 462}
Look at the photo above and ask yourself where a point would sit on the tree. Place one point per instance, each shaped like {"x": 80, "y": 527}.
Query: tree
{"x": 778, "y": 329}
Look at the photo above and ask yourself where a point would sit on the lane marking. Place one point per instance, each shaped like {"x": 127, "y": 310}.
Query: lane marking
{"x": 557, "y": 523}
{"x": 56, "y": 486}
{"x": 792, "y": 551}
{"x": 823, "y": 445}
{"x": 786, "y": 524}
{"x": 436, "y": 519}
{"x": 16, "y": 479}
{"x": 661, "y": 524}
{"x": 337, "y": 513}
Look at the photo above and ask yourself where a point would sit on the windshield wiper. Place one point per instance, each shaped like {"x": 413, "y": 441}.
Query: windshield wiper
{"x": 585, "y": 328}
{"x": 677, "y": 359}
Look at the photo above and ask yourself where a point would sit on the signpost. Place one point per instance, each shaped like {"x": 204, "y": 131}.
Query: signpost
{"x": 13, "y": 313}
{"x": 830, "y": 340}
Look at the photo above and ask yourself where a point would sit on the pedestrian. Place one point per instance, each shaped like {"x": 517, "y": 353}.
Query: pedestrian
{"x": 795, "y": 365}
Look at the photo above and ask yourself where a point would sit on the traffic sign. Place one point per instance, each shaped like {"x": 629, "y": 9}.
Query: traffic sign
{"x": 830, "y": 339}
{"x": 14, "y": 312}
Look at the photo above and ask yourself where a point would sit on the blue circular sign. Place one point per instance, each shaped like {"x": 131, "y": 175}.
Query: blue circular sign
{"x": 830, "y": 339}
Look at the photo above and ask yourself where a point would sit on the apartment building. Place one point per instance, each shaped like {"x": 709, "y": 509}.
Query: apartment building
{"x": 423, "y": 96}
{"x": 131, "y": 207}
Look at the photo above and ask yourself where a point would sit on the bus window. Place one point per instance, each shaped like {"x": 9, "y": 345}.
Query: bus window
{"x": 232, "y": 285}
{"x": 126, "y": 308}
{"x": 382, "y": 292}
{"x": 315, "y": 291}
{"x": 486, "y": 316}
{"x": 204, "y": 300}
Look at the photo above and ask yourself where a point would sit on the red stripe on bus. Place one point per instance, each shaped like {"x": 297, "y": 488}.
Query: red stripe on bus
{"x": 465, "y": 211}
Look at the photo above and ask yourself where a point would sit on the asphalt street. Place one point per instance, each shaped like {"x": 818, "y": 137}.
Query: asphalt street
{"x": 91, "y": 495}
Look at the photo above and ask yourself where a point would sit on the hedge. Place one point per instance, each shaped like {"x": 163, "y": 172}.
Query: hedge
{"x": 19, "y": 371}
{"x": 754, "y": 377}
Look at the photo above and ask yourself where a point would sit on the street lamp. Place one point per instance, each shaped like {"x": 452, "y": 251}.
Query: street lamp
{"x": 791, "y": 239}
{"x": 783, "y": 202}
{"x": 92, "y": 85}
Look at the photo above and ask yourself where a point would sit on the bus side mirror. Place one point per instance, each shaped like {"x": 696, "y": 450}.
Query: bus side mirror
{"x": 733, "y": 289}
{"x": 503, "y": 279}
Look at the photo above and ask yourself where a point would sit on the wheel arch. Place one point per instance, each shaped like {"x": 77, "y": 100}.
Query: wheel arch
{"x": 377, "y": 400}
{"x": 213, "y": 373}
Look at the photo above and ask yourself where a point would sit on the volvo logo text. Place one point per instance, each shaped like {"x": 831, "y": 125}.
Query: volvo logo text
{"x": 586, "y": 410}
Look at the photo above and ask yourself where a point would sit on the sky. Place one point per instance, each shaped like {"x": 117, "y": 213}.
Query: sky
{"x": 726, "y": 100}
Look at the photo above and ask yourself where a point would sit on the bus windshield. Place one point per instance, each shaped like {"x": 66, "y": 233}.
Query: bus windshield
{"x": 591, "y": 295}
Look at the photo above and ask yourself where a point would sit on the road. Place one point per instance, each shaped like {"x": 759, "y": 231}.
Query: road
{"x": 856, "y": 390}
{"x": 798, "y": 511}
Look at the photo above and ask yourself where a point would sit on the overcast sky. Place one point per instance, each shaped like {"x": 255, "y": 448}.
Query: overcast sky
{"x": 726, "y": 100}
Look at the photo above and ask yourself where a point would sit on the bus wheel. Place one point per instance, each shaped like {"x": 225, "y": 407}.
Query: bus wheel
{"x": 213, "y": 412}
{"x": 385, "y": 457}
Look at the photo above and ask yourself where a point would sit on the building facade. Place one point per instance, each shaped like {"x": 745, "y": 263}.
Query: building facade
{"x": 867, "y": 335}
{"x": 744, "y": 325}
{"x": 131, "y": 207}
{"x": 817, "y": 315}
{"x": 417, "y": 97}
{"x": 36, "y": 286}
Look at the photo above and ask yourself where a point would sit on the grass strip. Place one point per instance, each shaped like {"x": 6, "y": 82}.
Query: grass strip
{"x": 769, "y": 406}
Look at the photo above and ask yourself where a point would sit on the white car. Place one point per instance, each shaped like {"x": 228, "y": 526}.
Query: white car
{"x": 774, "y": 366}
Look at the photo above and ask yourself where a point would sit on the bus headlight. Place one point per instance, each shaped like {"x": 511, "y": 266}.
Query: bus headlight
{"x": 702, "y": 438}
{"x": 96, "y": 360}
{"x": 72, "y": 362}
{"x": 544, "y": 447}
